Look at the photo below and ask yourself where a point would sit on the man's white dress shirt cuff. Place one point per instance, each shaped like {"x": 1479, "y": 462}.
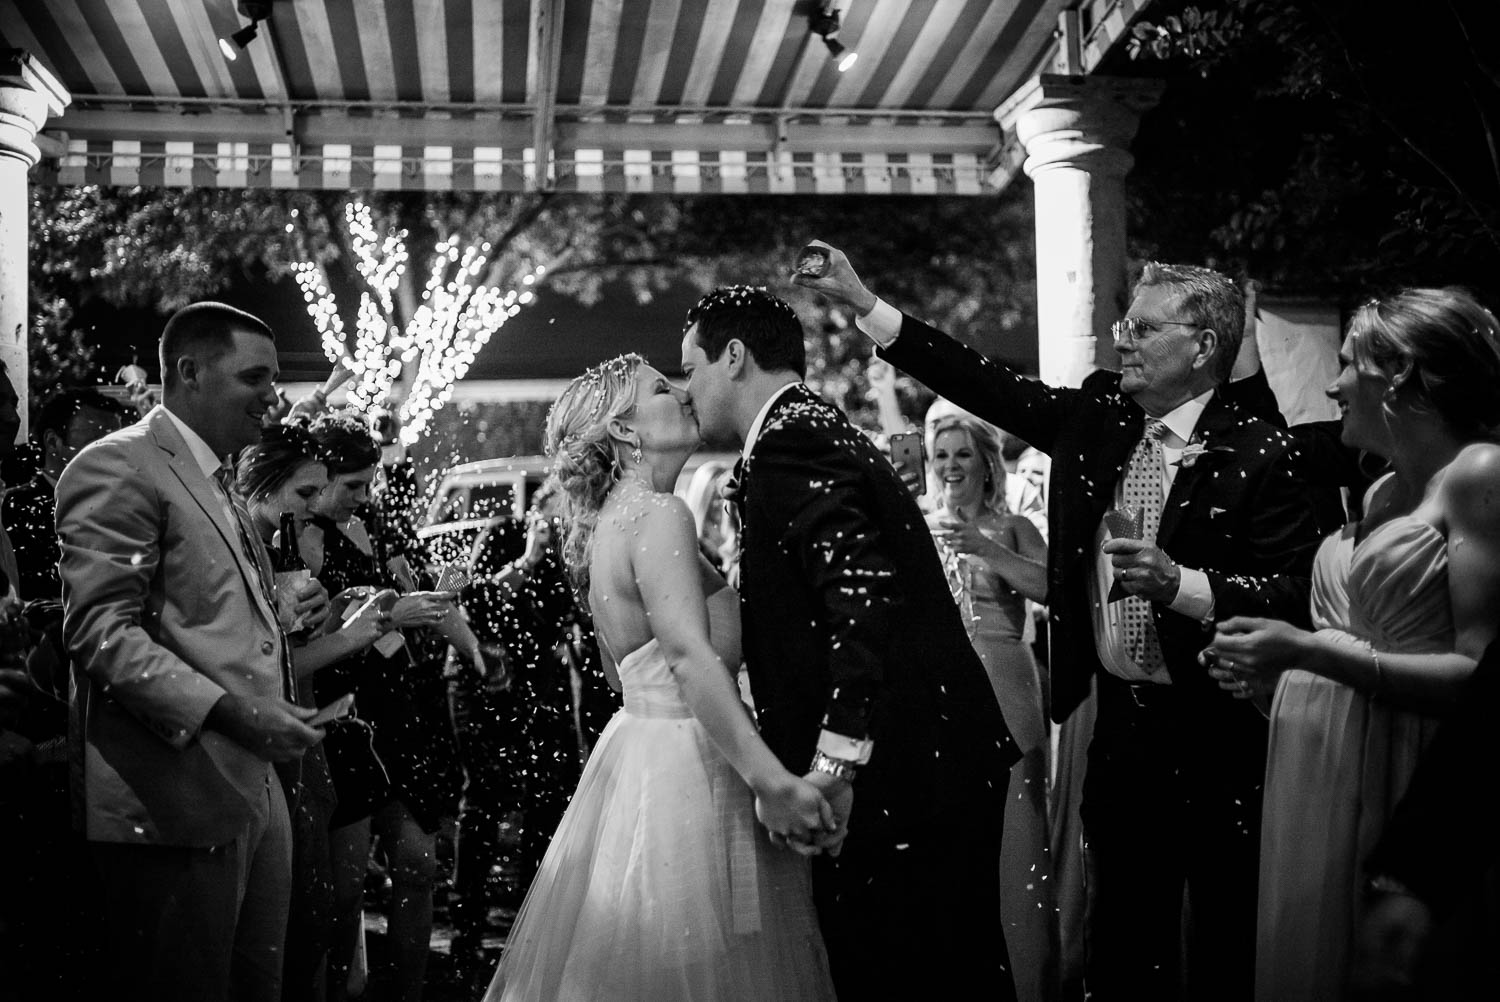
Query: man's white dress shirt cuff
{"x": 882, "y": 324}
{"x": 1195, "y": 597}
{"x": 845, "y": 748}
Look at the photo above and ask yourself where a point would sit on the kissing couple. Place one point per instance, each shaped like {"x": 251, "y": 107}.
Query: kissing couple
{"x": 845, "y": 841}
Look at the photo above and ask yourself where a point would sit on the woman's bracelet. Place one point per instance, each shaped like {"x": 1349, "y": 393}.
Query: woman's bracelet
{"x": 1379, "y": 687}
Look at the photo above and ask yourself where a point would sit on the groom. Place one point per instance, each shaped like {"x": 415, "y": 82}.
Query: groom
{"x": 862, "y": 673}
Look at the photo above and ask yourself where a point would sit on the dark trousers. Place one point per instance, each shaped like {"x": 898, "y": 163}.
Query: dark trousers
{"x": 489, "y": 748}
{"x": 50, "y": 931}
{"x": 312, "y": 912}
{"x": 1171, "y": 817}
{"x": 200, "y": 925}
{"x": 917, "y": 920}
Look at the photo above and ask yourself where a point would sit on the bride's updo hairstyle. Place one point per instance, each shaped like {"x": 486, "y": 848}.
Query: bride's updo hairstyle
{"x": 1439, "y": 349}
{"x": 585, "y": 463}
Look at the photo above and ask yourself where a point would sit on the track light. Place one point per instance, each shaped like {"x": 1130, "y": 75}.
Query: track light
{"x": 240, "y": 39}
{"x": 257, "y": 11}
{"x": 825, "y": 22}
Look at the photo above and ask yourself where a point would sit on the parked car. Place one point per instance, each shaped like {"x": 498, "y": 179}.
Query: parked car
{"x": 470, "y": 494}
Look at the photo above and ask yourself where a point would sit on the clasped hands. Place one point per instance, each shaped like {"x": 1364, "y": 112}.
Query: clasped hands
{"x": 808, "y": 815}
{"x": 1248, "y": 655}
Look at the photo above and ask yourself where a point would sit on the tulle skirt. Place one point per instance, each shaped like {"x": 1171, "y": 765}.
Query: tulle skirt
{"x": 659, "y": 885}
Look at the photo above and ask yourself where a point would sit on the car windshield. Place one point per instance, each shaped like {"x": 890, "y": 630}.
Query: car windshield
{"x": 477, "y": 501}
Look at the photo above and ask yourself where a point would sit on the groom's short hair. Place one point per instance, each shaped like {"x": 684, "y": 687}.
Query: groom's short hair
{"x": 766, "y": 325}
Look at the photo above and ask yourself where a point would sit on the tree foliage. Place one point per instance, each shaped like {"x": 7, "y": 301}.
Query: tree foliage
{"x": 1332, "y": 147}
{"x": 965, "y": 263}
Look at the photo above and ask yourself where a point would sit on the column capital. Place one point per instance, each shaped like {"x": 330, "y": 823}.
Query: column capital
{"x": 29, "y": 95}
{"x": 1085, "y": 122}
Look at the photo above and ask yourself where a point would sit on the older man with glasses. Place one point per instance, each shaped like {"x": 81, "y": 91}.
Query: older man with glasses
{"x": 1170, "y": 508}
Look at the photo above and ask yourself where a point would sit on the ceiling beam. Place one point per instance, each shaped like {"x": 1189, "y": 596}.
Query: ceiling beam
{"x": 975, "y": 136}
{"x": 1086, "y": 33}
{"x": 546, "y": 61}
{"x": 1106, "y": 23}
{"x": 514, "y": 109}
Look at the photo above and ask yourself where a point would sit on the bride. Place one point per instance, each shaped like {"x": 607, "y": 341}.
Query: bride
{"x": 659, "y": 884}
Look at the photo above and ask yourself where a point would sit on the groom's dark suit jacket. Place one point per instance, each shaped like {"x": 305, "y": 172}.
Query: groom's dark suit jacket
{"x": 849, "y": 625}
{"x": 1238, "y": 512}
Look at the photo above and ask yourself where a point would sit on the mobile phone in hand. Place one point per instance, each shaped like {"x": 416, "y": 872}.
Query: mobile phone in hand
{"x": 333, "y": 711}
{"x": 909, "y": 453}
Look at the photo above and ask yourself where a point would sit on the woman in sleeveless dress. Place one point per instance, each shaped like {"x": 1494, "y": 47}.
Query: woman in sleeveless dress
{"x": 659, "y": 885}
{"x": 283, "y": 474}
{"x": 995, "y": 561}
{"x": 412, "y": 781}
{"x": 1403, "y": 603}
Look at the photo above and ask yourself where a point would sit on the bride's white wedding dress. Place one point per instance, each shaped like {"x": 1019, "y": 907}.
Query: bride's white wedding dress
{"x": 659, "y": 883}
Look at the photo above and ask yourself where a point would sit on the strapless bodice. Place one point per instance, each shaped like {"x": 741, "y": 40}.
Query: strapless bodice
{"x": 1398, "y": 588}
{"x": 646, "y": 680}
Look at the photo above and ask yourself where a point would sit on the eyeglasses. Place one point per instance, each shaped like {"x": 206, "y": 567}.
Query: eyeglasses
{"x": 1138, "y": 329}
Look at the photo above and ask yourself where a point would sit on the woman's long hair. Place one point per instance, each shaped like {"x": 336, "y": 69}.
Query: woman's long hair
{"x": 283, "y": 449}
{"x": 585, "y": 464}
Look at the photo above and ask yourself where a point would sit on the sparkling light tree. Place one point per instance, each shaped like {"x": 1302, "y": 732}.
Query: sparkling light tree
{"x": 421, "y": 359}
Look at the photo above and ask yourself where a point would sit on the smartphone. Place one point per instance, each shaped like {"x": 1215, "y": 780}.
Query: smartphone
{"x": 338, "y": 708}
{"x": 909, "y": 453}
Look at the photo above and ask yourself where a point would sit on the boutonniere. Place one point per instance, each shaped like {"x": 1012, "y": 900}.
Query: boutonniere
{"x": 1193, "y": 451}
{"x": 730, "y": 486}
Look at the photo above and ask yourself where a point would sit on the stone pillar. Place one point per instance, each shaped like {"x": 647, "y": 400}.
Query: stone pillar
{"x": 29, "y": 94}
{"x": 1076, "y": 132}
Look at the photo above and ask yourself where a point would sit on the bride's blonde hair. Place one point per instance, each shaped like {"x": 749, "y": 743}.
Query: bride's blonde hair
{"x": 585, "y": 459}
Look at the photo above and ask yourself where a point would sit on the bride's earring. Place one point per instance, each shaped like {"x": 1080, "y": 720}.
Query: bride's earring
{"x": 635, "y": 454}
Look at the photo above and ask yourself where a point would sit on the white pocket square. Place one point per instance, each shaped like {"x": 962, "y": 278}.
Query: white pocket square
{"x": 1215, "y": 512}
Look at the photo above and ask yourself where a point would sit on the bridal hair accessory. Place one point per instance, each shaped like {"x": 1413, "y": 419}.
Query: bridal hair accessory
{"x": 594, "y": 381}
{"x": 619, "y": 367}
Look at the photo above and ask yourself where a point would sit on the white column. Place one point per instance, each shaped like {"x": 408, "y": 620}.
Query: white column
{"x": 29, "y": 94}
{"x": 1077, "y": 132}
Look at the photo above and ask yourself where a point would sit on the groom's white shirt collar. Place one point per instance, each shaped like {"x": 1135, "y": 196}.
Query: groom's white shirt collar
{"x": 760, "y": 418}
{"x": 202, "y": 452}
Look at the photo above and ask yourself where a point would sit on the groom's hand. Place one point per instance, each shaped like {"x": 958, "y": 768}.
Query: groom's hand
{"x": 794, "y": 812}
{"x": 840, "y": 795}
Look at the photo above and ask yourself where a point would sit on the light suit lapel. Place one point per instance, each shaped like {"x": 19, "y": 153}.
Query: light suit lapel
{"x": 185, "y": 467}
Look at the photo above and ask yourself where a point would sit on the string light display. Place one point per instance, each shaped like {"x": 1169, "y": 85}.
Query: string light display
{"x": 455, "y": 319}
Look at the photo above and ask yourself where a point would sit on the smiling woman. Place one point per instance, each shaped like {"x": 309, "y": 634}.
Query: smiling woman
{"x": 1403, "y": 603}
{"x": 994, "y": 561}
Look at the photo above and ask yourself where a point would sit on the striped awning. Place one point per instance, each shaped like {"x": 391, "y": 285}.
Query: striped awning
{"x": 673, "y": 96}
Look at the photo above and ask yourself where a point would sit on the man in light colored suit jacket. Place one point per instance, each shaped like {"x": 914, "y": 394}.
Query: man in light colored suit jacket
{"x": 181, "y": 677}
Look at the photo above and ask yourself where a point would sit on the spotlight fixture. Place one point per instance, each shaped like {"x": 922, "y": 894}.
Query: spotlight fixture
{"x": 825, "y": 22}
{"x": 257, "y": 11}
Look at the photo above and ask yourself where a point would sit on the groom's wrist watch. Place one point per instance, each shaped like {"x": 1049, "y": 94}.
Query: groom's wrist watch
{"x": 837, "y": 768}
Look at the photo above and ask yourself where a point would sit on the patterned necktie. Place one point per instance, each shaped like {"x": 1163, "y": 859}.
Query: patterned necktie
{"x": 1143, "y": 486}
{"x": 253, "y": 553}
{"x": 734, "y": 483}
